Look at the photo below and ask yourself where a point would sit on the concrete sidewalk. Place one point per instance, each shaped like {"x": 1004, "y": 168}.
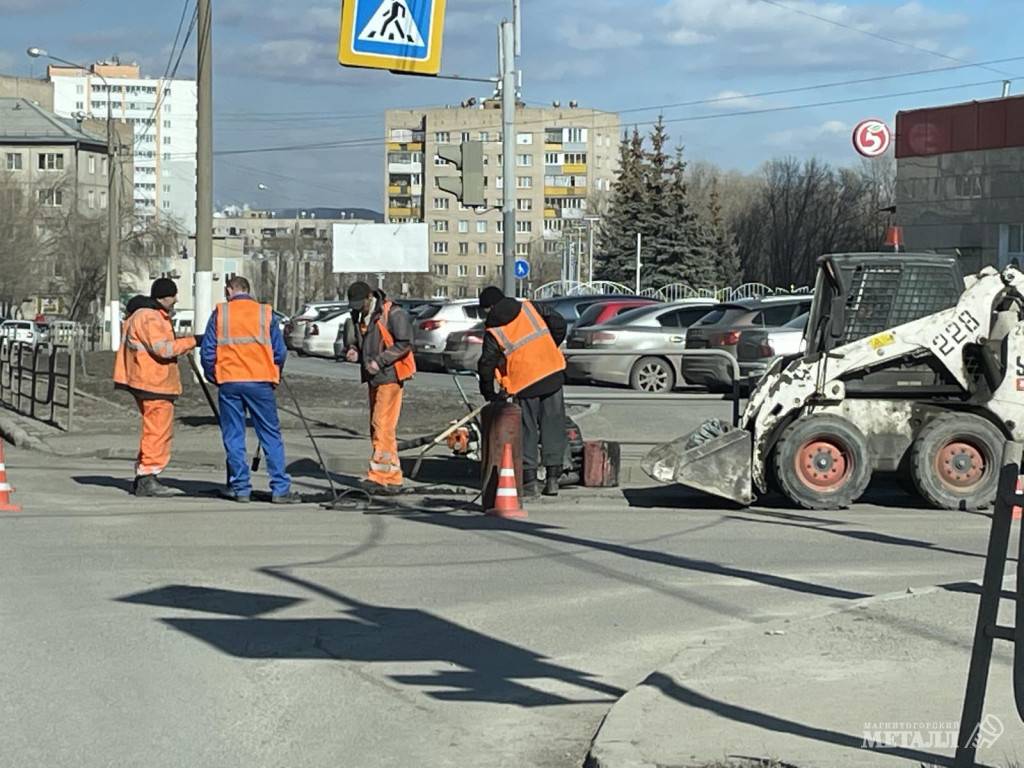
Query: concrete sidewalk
{"x": 807, "y": 693}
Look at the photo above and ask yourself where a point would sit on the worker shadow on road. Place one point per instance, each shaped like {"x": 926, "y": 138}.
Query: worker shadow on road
{"x": 197, "y": 488}
{"x": 658, "y": 557}
{"x": 775, "y": 724}
{"x": 469, "y": 665}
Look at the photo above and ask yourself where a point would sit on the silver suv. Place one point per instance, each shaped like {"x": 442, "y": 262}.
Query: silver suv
{"x": 433, "y": 325}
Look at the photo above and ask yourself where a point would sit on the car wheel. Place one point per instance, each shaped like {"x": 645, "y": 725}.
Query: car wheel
{"x": 652, "y": 374}
{"x": 955, "y": 462}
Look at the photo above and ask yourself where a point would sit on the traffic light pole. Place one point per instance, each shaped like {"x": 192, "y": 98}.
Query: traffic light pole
{"x": 508, "y": 143}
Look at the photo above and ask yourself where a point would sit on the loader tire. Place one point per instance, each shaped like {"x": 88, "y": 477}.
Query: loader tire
{"x": 822, "y": 462}
{"x": 955, "y": 462}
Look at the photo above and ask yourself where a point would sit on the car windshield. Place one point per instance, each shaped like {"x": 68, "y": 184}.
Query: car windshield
{"x": 628, "y": 318}
{"x": 430, "y": 311}
{"x": 722, "y": 314}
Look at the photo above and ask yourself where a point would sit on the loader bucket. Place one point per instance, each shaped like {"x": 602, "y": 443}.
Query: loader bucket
{"x": 714, "y": 459}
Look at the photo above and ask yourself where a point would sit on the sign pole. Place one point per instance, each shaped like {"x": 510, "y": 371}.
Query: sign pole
{"x": 203, "y": 285}
{"x": 508, "y": 144}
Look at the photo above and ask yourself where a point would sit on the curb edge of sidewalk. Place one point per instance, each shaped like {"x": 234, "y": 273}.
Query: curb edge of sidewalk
{"x": 613, "y": 745}
{"x": 18, "y": 437}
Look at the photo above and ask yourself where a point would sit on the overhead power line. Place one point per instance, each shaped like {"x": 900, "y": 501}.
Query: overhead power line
{"x": 877, "y": 36}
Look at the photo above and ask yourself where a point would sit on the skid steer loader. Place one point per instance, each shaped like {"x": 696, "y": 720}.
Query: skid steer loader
{"x": 908, "y": 368}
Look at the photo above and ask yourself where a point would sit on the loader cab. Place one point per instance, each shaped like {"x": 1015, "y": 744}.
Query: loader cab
{"x": 861, "y": 294}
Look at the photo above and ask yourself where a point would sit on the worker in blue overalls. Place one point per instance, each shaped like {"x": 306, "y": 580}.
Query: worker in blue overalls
{"x": 243, "y": 352}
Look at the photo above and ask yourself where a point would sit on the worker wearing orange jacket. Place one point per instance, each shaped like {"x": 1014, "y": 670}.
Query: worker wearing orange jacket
{"x": 379, "y": 337}
{"x": 147, "y": 366}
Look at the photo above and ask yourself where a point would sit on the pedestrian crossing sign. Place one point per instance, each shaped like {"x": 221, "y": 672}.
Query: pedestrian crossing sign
{"x": 400, "y": 35}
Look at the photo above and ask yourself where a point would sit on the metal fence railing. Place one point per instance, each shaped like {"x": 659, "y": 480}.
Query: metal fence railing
{"x": 38, "y": 381}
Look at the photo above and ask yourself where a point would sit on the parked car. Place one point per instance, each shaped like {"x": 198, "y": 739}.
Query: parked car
{"x": 415, "y": 307}
{"x": 323, "y": 332}
{"x": 654, "y": 327}
{"x": 603, "y": 311}
{"x": 758, "y": 349}
{"x": 433, "y": 325}
{"x": 295, "y": 330}
{"x": 463, "y": 348}
{"x": 25, "y": 331}
{"x": 571, "y": 307}
{"x": 721, "y": 329}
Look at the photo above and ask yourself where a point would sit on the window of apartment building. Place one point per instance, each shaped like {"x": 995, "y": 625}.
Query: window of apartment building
{"x": 499, "y": 182}
{"x": 103, "y": 165}
{"x": 484, "y": 136}
{"x": 463, "y": 227}
{"x": 167, "y": 187}
{"x": 416, "y": 179}
{"x": 524, "y": 204}
{"x": 51, "y": 161}
{"x": 441, "y": 203}
{"x": 167, "y": 204}
{"x": 440, "y": 225}
{"x": 442, "y": 137}
{"x": 440, "y": 247}
{"x": 522, "y": 249}
{"x": 553, "y": 136}
{"x": 167, "y": 140}
{"x": 463, "y": 270}
{"x": 481, "y": 249}
{"x": 499, "y": 249}
{"x": 462, "y": 292}
{"x": 167, "y": 123}
{"x": 481, "y": 270}
{"x": 524, "y": 138}
{"x": 51, "y": 198}
{"x": 92, "y": 163}
{"x": 499, "y": 226}
{"x": 551, "y": 246}
{"x": 553, "y": 158}
{"x": 481, "y": 227}
{"x": 524, "y": 182}
{"x": 465, "y": 135}
{"x": 463, "y": 249}
{"x": 103, "y": 200}
{"x": 574, "y": 202}
{"x": 167, "y": 107}
{"x": 524, "y": 226}
{"x": 524, "y": 161}
{"x": 576, "y": 158}
{"x": 79, "y": 89}
{"x": 167, "y": 155}
{"x": 438, "y": 160}
{"x": 441, "y": 292}
{"x": 79, "y": 105}
{"x": 91, "y": 197}
{"x": 575, "y": 135}
{"x": 441, "y": 270}
{"x": 14, "y": 161}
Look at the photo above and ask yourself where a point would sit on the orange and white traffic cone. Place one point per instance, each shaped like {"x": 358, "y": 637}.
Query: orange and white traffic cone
{"x": 1016, "y": 512}
{"x": 5, "y": 489}
{"x": 506, "y": 501}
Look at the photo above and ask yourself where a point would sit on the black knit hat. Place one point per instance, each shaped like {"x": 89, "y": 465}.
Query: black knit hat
{"x": 358, "y": 292}
{"x": 490, "y": 296}
{"x": 163, "y": 288}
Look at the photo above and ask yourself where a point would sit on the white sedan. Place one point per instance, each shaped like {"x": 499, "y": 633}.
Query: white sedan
{"x": 320, "y": 334}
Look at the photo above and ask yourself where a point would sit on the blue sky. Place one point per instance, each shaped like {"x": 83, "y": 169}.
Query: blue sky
{"x": 277, "y": 82}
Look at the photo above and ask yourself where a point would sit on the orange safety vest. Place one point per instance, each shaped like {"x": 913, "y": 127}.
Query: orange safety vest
{"x": 530, "y": 352}
{"x": 244, "y": 349}
{"x": 405, "y": 366}
{"x": 147, "y": 359}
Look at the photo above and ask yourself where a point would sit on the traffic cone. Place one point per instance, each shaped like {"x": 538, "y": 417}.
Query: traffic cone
{"x": 506, "y": 501}
{"x": 1016, "y": 512}
{"x": 5, "y": 488}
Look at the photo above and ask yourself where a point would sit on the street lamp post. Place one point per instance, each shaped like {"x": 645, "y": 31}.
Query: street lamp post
{"x": 112, "y": 290}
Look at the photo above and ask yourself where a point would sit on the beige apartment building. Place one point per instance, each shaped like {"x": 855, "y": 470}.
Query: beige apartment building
{"x": 566, "y": 161}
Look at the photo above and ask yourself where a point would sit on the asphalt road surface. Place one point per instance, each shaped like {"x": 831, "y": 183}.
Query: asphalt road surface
{"x": 192, "y": 632}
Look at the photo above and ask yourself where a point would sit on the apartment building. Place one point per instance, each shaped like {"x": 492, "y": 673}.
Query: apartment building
{"x": 566, "y": 159}
{"x": 163, "y": 116}
{"x": 50, "y": 167}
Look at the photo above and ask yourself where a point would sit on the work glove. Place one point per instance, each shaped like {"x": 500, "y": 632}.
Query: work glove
{"x": 352, "y": 355}
{"x": 373, "y": 368}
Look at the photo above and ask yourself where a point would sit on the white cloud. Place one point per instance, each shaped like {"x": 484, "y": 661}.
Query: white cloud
{"x": 824, "y": 134}
{"x": 589, "y": 35}
{"x": 735, "y": 100}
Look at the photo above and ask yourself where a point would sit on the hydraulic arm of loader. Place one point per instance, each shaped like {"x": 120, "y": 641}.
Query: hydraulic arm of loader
{"x": 731, "y": 463}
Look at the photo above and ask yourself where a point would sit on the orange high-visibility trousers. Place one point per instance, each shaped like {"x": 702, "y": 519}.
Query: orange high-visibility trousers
{"x": 157, "y": 430}
{"x": 385, "y": 408}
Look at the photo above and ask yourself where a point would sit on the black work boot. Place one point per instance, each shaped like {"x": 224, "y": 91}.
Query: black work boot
{"x": 531, "y": 489}
{"x": 149, "y": 485}
{"x": 551, "y": 481}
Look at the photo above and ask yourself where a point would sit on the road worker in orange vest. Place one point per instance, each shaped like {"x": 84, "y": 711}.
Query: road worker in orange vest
{"x": 521, "y": 359}
{"x": 146, "y": 365}
{"x": 243, "y": 353}
{"x": 379, "y": 338}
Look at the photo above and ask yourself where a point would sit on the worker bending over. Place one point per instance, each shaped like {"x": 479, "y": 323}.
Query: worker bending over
{"x": 146, "y": 365}
{"x": 379, "y": 338}
{"x": 243, "y": 353}
{"x": 520, "y": 358}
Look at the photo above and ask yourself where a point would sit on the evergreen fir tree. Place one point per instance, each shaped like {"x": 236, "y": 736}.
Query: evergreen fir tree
{"x": 615, "y": 257}
{"x": 728, "y": 269}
